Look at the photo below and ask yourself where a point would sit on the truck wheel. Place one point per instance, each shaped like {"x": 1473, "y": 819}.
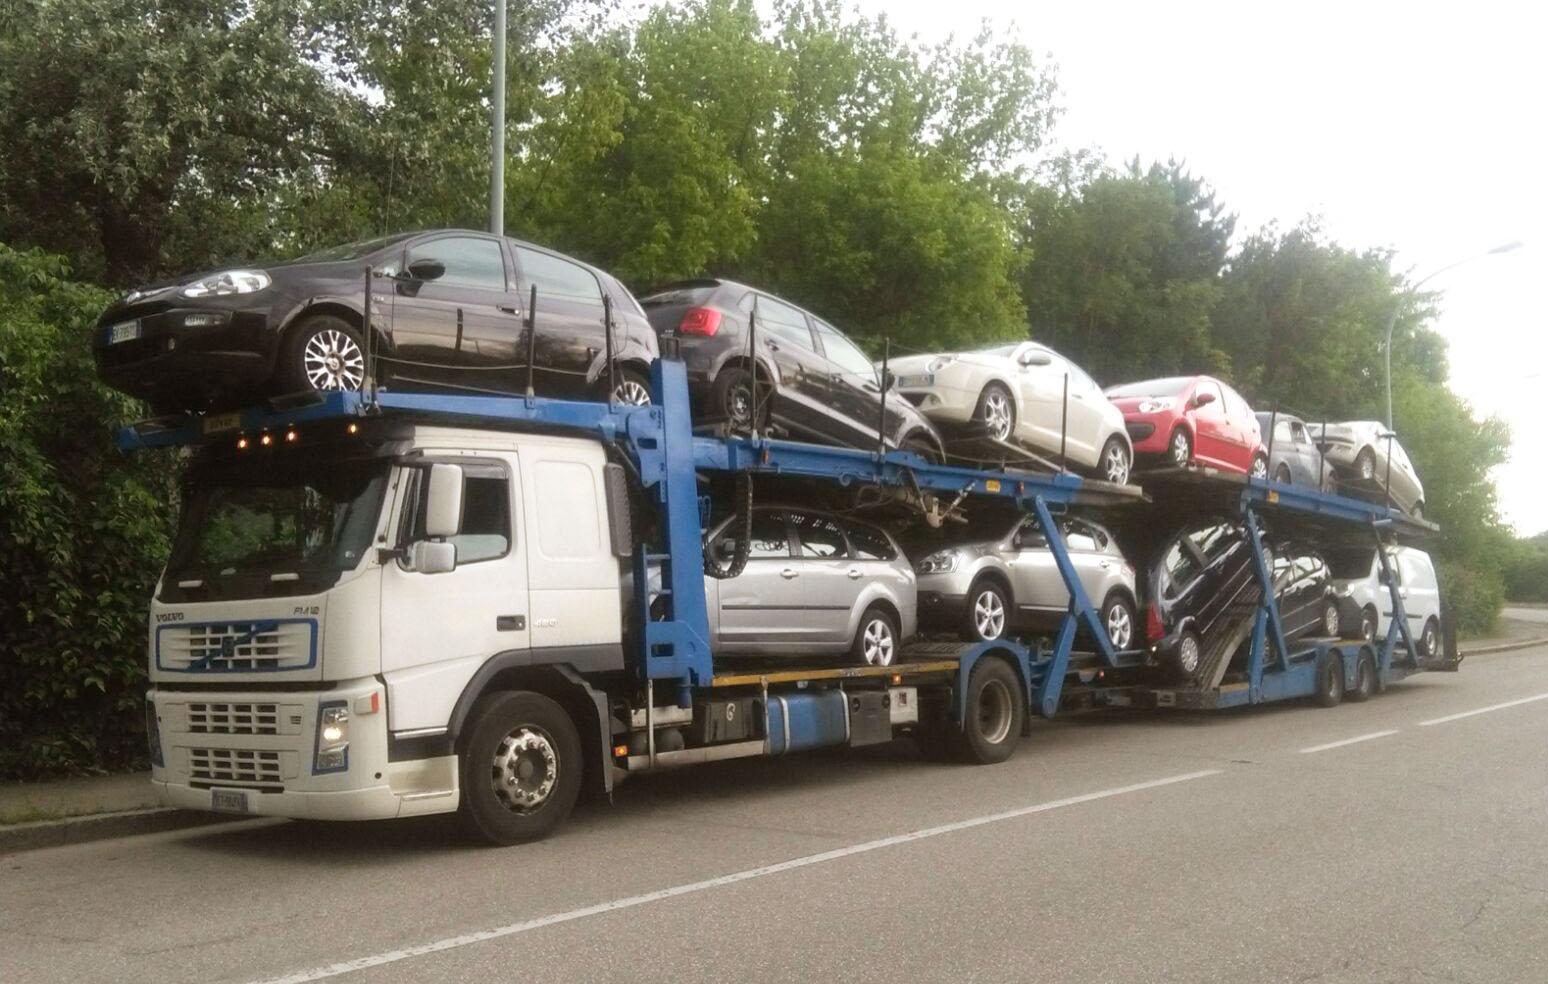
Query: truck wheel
{"x": 1368, "y": 624}
{"x": 1330, "y": 681}
{"x": 521, "y": 769}
{"x": 1365, "y": 680}
{"x": 995, "y": 714}
{"x": 322, "y": 353}
{"x": 1429, "y": 640}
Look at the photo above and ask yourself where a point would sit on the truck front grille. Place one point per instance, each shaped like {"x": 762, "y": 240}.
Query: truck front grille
{"x": 243, "y": 765}
{"x": 238, "y": 719}
{"x": 229, "y": 647}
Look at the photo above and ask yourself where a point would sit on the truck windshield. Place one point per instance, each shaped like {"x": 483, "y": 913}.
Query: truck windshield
{"x": 271, "y": 517}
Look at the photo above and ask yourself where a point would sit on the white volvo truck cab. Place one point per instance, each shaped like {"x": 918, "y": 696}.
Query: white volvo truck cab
{"x": 330, "y": 617}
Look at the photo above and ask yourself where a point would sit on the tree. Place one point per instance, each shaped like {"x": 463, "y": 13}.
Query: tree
{"x": 1125, "y": 271}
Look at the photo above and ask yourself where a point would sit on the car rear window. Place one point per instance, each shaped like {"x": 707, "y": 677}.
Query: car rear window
{"x": 673, "y": 296}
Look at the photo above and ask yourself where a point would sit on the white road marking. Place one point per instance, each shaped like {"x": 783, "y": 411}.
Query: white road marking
{"x": 1482, "y": 710}
{"x": 1347, "y": 741}
{"x": 453, "y": 942}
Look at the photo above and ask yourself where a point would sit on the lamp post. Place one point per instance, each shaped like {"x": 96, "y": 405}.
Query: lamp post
{"x": 497, "y": 127}
{"x": 1397, "y": 308}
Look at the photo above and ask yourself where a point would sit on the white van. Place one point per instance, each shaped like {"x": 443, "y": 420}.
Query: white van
{"x": 1357, "y": 578}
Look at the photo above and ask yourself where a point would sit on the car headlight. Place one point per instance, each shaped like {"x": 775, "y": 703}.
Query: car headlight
{"x": 940, "y": 562}
{"x": 228, "y": 282}
{"x": 332, "y": 753}
{"x": 940, "y": 362}
{"x": 1155, "y": 406}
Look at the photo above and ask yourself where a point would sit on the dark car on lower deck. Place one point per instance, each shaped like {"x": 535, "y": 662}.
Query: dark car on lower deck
{"x": 813, "y": 381}
{"x": 449, "y": 309}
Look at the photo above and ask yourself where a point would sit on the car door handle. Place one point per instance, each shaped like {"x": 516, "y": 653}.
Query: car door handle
{"x": 854, "y": 575}
{"x": 509, "y": 308}
{"x": 510, "y": 623}
{"x": 773, "y": 346}
{"x": 789, "y": 573}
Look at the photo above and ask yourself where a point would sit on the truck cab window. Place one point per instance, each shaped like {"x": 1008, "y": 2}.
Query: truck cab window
{"x": 486, "y": 514}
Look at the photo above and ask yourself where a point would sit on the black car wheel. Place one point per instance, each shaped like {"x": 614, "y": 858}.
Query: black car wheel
{"x": 1190, "y": 655}
{"x": 1368, "y": 624}
{"x": 1282, "y": 475}
{"x": 732, "y": 398}
{"x": 1330, "y": 619}
{"x": 1330, "y": 681}
{"x": 1365, "y": 680}
{"x": 996, "y": 411}
{"x": 996, "y": 714}
{"x": 323, "y": 353}
{"x": 521, "y": 768}
{"x": 1429, "y": 640}
{"x": 923, "y": 445}
{"x": 1179, "y": 450}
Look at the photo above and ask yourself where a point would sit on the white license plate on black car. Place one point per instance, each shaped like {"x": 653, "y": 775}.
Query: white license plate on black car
{"x": 229, "y": 801}
{"x": 124, "y": 331}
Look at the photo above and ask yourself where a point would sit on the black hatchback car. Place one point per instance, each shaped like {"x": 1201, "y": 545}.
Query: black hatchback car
{"x": 449, "y": 309}
{"x": 822, "y": 385}
{"x": 1204, "y": 596}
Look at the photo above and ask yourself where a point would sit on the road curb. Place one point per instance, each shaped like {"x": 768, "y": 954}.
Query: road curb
{"x": 1505, "y": 647}
{"x": 101, "y": 826}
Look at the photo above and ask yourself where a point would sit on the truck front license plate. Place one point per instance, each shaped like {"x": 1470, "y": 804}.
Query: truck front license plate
{"x": 124, "y": 331}
{"x": 229, "y": 801}
{"x": 216, "y": 422}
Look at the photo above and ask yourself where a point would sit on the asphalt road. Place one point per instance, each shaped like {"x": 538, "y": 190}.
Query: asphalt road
{"x": 1260, "y": 845}
{"x": 1525, "y": 614}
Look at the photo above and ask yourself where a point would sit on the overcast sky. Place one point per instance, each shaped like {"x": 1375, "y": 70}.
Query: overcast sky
{"x": 1415, "y": 126}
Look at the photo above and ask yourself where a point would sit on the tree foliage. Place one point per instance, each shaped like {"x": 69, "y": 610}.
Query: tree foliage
{"x": 83, "y": 529}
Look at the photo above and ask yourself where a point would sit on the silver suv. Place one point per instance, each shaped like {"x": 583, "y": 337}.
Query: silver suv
{"x": 814, "y": 584}
{"x": 992, "y": 588}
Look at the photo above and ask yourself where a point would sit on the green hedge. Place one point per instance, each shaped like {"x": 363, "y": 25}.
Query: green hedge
{"x": 83, "y": 533}
{"x": 1473, "y": 597}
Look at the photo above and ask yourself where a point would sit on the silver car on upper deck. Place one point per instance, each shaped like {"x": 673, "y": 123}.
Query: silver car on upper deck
{"x": 991, "y": 588}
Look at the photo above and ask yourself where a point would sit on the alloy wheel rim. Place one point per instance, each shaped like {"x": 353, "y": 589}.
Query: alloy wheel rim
{"x": 1367, "y": 467}
{"x": 1117, "y": 465}
{"x": 1119, "y": 625}
{"x": 525, "y": 769}
{"x": 631, "y": 393}
{"x": 989, "y": 615}
{"x": 1180, "y": 451}
{"x": 878, "y": 647}
{"x": 332, "y": 361}
{"x": 997, "y": 415}
{"x": 1259, "y": 468}
{"x": 1330, "y": 620}
{"x": 1188, "y": 655}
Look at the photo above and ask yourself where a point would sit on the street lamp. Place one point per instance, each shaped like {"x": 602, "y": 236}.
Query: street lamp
{"x": 1397, "y": 307}
{"x": 497, "y": 127}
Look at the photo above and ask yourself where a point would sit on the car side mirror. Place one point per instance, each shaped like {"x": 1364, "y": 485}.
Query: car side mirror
{"x": 432, "y": 556}
{"x": 443, "y": 501}
{"x": 1037, "y": 357}
{"x": 426, "y": 268}
{"x": 1203, "y": 399}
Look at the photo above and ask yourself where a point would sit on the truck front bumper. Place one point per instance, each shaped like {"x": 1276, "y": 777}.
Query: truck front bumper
{"x": 257, "y": 754}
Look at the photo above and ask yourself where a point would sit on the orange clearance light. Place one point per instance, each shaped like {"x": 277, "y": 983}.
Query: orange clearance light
{"x": 354, "y": 428}
{"x": 242, "y": 443}
{"x": 897, "y": 678}
{"x": 290, "y": 436}
{"x": 620, "y": 751}
{"x": 266, "y": 440}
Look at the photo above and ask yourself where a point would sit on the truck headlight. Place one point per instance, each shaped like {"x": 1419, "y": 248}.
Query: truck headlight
{"x": 332, "y": 754}
{"x": 228, "y": 282}
{"x": 153, "y": 734}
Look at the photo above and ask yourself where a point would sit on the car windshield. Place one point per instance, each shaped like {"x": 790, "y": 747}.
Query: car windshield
{"x": 273, "y": 517}
{"x": 1172, "y": 386}
{"x": 351, "y": 251}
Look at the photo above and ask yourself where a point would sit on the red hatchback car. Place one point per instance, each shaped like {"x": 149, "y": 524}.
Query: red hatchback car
{"x": 1186, "y": 419}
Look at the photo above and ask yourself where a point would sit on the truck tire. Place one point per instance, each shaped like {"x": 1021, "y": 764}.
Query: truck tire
{"x": 1365, "y": 679}
{"x": 995, "y": 715}
{"x": 521, "y": 769}
{"x": 1330, "y": 681}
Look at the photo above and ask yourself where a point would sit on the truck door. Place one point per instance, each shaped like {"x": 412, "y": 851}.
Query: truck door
{"x": 437, "y": 629}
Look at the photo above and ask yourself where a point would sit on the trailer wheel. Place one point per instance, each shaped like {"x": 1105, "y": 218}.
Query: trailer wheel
{"x": 521, "y": 769}
{"x": 1365, "y": 679}
{"x": 995, "y": 714}
{"x": 1330, "y": 681}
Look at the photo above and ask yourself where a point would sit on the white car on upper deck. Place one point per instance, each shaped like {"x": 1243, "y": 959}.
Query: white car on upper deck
{"x": 1018, "y": 393}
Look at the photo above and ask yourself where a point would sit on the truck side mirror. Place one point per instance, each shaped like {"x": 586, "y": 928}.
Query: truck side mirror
{"x": 443, "y": 501}
{"x": 433, "y": 557}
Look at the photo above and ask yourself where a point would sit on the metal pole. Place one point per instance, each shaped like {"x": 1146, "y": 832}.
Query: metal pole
{"x": 365, "y": 316}
{"x": 881, "y": 404}
{"x": 607, "y": 331}
{"x": 497, "y": 126}
{"x": 1322, "y": 453}
{"x": 1064, "y": 422}
{"x": 1397, "y": 307}
{"x": 1273, "y": 425}
{"x": 752, "y": 358}
{"x": 531, "y": 339}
